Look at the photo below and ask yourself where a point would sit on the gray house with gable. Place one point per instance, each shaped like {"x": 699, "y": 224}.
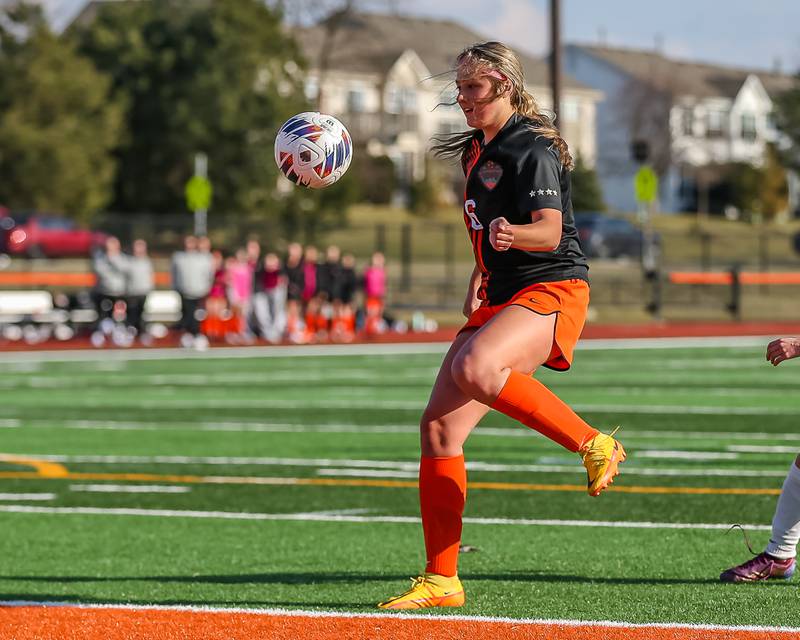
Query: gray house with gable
{"x": 692, "y": 116}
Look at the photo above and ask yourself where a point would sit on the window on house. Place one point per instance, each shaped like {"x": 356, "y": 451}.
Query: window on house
{"x": 448, "y": 126}
{"x": 355, "y": 101}
{"x": 409, "y": 100}
{"x": 311, "y": 88}
{"x": 393, "y": 100}
{"x": 771, "y": 122}
{"x": 748, "y": 126}
{"x": 687, "y": 121}
{"x": 570, "y": 110}
{"x": 401, "y": 100}
{"x": 716, "y": 124}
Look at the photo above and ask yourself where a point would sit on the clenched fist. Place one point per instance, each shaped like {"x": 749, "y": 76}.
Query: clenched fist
{"x": 501, "y": 234}
{"x": 783, "y": 349}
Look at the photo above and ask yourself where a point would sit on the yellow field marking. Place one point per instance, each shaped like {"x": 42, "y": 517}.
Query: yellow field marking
{"x": 43, "y": 468}
{"x": 394, "y": 484}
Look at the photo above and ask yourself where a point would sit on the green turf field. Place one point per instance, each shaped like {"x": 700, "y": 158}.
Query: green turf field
{"x": 289, "y": 481}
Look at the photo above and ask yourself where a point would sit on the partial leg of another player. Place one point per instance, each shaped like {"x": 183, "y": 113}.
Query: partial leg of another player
{"x": 778, "y": 559}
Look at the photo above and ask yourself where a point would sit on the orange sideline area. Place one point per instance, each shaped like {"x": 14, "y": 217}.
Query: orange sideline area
{"x": 28, "y": 622}
{"x": 59, "y": 279}
{"x": 162, "y": 278}
{"x": 726, "y": 277}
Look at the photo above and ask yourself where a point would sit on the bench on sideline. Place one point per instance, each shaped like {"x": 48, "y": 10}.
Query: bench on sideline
{"x": 37, "y": 307}
{"x": 30, "y": 306}
{"x": 734, "y": 278}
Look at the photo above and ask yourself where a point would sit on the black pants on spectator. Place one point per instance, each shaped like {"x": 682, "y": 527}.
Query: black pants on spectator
{"x": 135, "y": 312}
{"x": 189, "y": 309}
{"x": 104, "y": 305}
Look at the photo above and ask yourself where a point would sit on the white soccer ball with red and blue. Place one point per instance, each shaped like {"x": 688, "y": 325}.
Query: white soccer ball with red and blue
{"x": 313, "y": 149}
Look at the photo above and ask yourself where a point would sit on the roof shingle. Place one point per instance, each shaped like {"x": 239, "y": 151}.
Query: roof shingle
{"x": 371, "y": 43}
{"x": 686, "y": 78}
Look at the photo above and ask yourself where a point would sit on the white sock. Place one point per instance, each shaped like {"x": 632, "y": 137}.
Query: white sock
{"x": 786, "y": 521}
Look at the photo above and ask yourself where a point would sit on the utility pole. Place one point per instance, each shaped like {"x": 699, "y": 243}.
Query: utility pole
{"x": 555, "y": 56}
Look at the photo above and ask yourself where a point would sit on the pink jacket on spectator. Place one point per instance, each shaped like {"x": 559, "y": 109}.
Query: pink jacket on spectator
{"x": 375, "y": 282}
{"x": 310, "y": 272}
{"x": 241, "y": 282}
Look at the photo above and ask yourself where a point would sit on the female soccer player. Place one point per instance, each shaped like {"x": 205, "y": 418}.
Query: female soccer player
{"x": 778, "y": 559}
{"x": 525, "y": 306}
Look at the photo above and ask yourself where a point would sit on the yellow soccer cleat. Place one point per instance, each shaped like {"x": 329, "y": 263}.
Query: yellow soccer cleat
{"x": 428, "y": 590}
{"x": 601, "y": 457}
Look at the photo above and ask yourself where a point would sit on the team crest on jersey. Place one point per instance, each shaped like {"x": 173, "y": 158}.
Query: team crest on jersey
{"x": 490, "y": 174}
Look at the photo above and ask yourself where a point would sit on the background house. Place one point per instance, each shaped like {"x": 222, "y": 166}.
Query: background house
{"x": 693, "y": 116}
{"x": 389, "y": 79}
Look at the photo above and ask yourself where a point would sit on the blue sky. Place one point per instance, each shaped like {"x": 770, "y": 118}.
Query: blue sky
{"x": 741, "y": 33}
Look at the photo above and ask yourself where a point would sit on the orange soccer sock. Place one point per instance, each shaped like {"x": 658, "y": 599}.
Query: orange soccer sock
{"x": 534, "y": 405}
{"x": 442, "y": 493}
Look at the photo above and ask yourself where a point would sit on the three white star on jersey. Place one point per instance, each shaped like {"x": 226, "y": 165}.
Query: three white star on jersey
{"x": 541, "y": 192}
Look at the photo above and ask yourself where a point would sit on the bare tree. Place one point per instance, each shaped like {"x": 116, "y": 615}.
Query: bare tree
{"x": 644, "y": 108}
{"x": 308, "y": 12}
{"x": 331, "y": 15}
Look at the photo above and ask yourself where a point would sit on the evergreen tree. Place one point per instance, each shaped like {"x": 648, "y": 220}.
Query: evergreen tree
{"x": 587, "y": 195}
{"x": 58, "y": 126}
{"x": 217, "y": 77}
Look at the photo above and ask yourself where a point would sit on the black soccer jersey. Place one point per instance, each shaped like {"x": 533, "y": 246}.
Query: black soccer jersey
{"x": 516, "y": 173}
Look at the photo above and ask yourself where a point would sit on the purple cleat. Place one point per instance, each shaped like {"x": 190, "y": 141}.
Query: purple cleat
{"x": 762, "y": 567}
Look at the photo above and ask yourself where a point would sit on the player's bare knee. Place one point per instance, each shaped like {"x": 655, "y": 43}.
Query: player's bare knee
{"x": 433, "y": 436}
{"x": 474, "y": 374}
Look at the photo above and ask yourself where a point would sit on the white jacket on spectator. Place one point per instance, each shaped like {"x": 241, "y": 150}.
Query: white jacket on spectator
{"x": 192, "y": 273}
{"x": 139, "y": 272}
{"x": 111, "y": 273}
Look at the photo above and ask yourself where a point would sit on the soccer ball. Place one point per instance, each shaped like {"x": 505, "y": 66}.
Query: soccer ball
{"x": 313, "y": 149}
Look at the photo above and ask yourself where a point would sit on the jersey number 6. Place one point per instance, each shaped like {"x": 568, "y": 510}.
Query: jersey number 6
{"x": 469, "y": 209}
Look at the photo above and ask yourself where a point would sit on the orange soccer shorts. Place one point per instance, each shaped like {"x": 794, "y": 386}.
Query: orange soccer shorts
{"x": 569, "y": 299}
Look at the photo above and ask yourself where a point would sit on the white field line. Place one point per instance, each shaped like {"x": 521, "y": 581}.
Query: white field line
{"x": 326, "y": 517}
{"x": 286, "y": 427}
{"x": 683, "y": 364}
{"x": 107, "y": 355}
{"x": 712, "y": 435}
{"x": 299, "y": 613}
{"x": 688, "y": 389}
{"x": 27, "y": 496}
{"x": 123, "y": 488}
{"x": 779, "y": 387}
{"x": 336, "y": 512}
{"x": 218, "y": 380}
{"x": 761, "y": 449}
{"x": 684, "y": 455}
{"x": 404, "y": 467}
{"x": 417, "y": 405}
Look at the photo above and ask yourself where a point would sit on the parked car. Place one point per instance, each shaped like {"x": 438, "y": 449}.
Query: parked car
{"x": 38, "y": 235}
{"x": 604, "y": 237}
